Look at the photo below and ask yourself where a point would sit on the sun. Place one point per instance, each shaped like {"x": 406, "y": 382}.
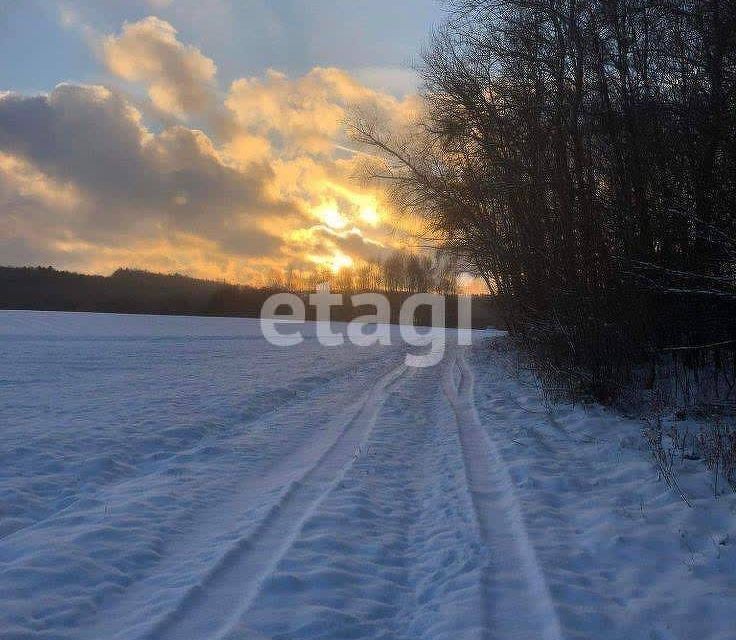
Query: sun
{"x": 339, "y": 261}
{"x": 370, "y": 216}
{"x": 331, "y": 216}
{"x": 334, "y": 262}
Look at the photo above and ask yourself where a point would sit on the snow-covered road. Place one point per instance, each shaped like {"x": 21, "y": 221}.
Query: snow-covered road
{"x": 179, "y": 478}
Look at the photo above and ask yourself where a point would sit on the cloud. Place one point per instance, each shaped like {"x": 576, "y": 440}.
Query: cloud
{"x": 26, "y": 182}
{"x": 180, "y": 79}
{"x": 307, "y": 114}
{"x": 85, "y": 149}
{"x": 350, "y": 242}
{"x": 90, "y": 181}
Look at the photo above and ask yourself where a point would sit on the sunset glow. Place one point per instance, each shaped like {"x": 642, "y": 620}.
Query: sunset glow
{"x": 334, "y": 263}
{"x": 370, "y": 216}
{"x": 367, "y": 319}
{"x": 234, "y": 174}
{"x": 331, "y": 216}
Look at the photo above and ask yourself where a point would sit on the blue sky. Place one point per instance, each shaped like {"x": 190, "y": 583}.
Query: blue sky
{"x": 377, "y": 39}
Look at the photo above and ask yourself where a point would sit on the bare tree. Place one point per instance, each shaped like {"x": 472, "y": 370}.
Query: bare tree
{"x": 580, "y": 157}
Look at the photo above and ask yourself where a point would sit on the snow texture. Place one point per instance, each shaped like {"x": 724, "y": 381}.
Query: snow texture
{"x": 180, "y": 478}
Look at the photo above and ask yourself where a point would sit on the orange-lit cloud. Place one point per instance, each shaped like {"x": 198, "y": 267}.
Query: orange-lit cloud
{"x": 86, "y": 182}
{"x": 180, "y": 78}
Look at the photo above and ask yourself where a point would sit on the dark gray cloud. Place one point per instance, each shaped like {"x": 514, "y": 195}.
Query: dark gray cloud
{"x": 129, "y": 178}
{"x": 350, "y": 242}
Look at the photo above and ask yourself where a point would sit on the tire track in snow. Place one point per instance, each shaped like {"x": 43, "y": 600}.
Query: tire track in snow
{"x": 211, "y": 609}
{"x": 347, "y": 573}
{"x": 518, "y": 602}
{"x": 132, "y": 613}
{"x": 279, "y": 400}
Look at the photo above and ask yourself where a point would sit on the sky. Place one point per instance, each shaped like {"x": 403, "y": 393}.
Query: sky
{"x": 205, "y": 138}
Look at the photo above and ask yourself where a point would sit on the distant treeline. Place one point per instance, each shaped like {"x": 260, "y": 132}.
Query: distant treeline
{"x": 136, "y": 291}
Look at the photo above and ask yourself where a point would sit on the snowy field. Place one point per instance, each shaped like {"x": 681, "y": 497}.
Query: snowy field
{"x": 180, "y": 478}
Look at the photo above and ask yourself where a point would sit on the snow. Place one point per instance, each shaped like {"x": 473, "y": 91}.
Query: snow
{"x": 172, "y": 477}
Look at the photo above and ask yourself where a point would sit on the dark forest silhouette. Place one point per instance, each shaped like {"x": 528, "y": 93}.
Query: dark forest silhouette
{"x": 137, "y": 291}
